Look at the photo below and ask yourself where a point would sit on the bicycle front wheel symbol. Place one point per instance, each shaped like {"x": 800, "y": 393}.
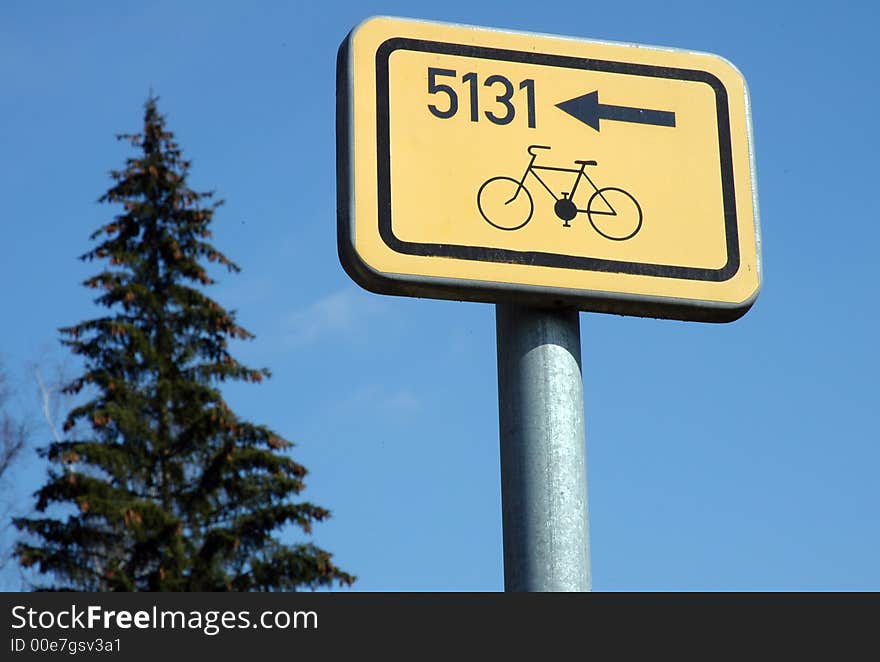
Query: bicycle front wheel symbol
{"x": 505, "y": 203}
{"x": 614, "y": 213}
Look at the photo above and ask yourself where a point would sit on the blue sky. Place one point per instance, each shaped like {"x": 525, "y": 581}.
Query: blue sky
{"x": 720, "y": 457}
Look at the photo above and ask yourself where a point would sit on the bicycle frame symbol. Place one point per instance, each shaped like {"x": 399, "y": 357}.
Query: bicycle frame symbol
{"x": 506, "y": 203}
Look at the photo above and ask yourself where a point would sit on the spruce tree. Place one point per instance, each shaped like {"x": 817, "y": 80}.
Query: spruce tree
{"x": 165, "y": 488}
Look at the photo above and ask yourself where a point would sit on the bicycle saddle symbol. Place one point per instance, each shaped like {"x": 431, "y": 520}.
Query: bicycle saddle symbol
{"x": 506, "y": 203}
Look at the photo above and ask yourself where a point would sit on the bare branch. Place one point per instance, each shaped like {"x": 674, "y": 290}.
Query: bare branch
{"x": 12, "y": 440}
{"x": 13, "y": 433}
{"x": 46, "y": 394}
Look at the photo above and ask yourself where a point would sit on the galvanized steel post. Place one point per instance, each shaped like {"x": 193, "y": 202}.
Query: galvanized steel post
{"x": 543, "y": 453}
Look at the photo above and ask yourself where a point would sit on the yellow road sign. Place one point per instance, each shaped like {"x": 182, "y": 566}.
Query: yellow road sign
{"x": 483, "y": 165}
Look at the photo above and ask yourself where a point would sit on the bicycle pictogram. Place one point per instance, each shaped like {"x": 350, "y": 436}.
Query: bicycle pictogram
{"x": 507, "y": 204}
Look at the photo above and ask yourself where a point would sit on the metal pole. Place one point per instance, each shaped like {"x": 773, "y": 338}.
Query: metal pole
{"x": 543, "y": 452}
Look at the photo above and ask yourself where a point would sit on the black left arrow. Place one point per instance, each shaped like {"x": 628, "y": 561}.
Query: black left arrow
{"x": 588, "y": 110}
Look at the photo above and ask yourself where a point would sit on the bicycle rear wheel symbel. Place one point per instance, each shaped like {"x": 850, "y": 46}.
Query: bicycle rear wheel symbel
{"x": 504, "y": 203}
{"x": 614, "y": 213}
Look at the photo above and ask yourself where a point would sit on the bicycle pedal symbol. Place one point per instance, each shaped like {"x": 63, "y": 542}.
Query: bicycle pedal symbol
{"x": 507, "y": 204}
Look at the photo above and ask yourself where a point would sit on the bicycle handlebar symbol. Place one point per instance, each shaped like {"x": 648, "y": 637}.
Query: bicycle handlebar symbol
{"x": 506, "y": 203}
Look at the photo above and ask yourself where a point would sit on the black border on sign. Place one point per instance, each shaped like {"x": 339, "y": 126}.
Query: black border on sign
{"x": 488, "y": 254}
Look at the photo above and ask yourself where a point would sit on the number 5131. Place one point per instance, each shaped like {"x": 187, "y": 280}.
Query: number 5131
{"x": 504, "y": 102}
